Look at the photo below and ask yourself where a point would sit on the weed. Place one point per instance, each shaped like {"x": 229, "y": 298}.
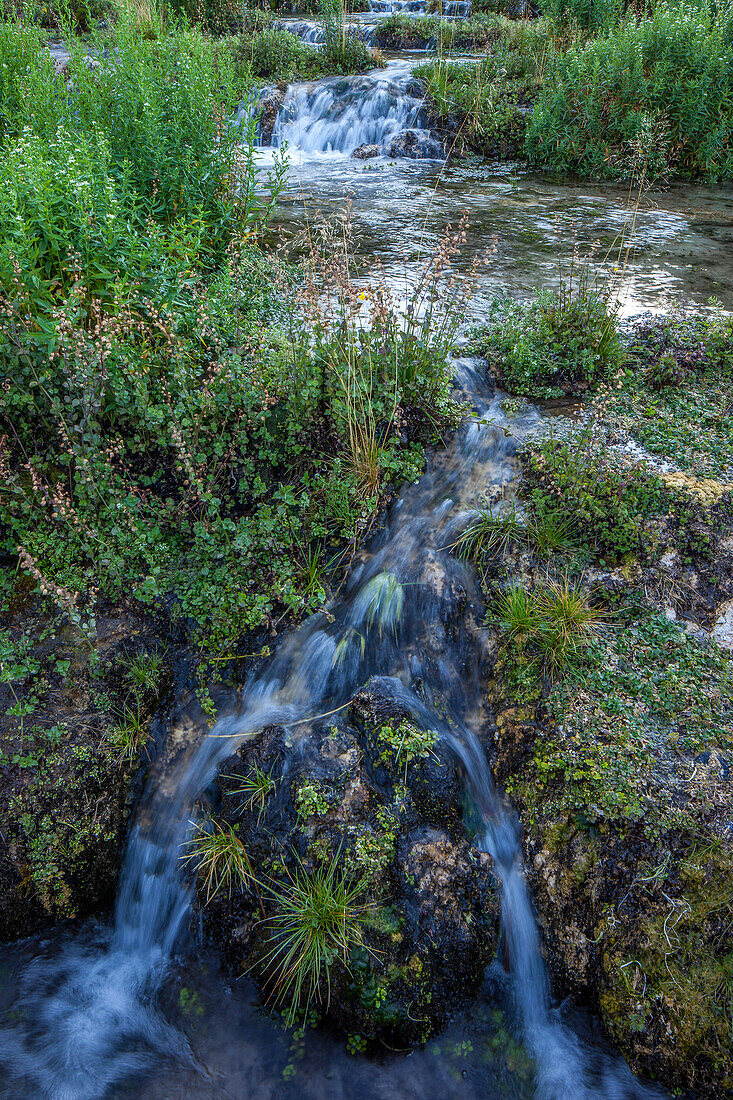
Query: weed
{"x": 317, "y": 920}
{"x": 218, "y": 855}
{"x": 254, "y": 788}
{"x": 662, "y": 81}
{"x": 131, "y": 734}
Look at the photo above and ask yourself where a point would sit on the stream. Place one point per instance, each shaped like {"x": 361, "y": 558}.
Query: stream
{"x": 139, "y": 1008}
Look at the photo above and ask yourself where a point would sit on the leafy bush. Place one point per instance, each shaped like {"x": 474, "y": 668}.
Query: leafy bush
{"x": 558, "y": 342}
{"x": 655, "y": 92}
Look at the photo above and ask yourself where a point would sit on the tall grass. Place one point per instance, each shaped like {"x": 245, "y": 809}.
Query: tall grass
{"x": 663, "y": 82}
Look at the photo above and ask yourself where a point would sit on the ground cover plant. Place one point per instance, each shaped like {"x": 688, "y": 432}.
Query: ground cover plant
{"x": 614, "y": 706}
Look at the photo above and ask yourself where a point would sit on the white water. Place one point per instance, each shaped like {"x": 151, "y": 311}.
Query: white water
{"x": 339, "y": 114}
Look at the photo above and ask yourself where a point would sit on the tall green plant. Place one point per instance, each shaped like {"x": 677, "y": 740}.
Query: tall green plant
{"x": 657, "y": 89}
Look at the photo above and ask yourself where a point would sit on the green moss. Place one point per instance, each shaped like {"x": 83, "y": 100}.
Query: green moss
{"x": 676, "y": 963}
{"x": 403, "y": 744}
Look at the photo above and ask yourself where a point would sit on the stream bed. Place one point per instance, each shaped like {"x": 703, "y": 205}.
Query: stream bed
{"x": 140, "y": 1009}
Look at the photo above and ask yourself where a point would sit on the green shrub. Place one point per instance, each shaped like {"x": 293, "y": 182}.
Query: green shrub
{"x": 487, "y": 99}
{"x": 559, "y": 342}
{"x": 653, "y": 93}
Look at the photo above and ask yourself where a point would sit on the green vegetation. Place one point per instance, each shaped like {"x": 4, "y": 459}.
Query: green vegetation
{"x": 679, "y": 374}
{"x": 316, "y": 922}
{"x": 407, "y": 32}
{"x": 654, "y": 91}
{"x": 485, "y": 103}
{"x": 165, "y": 387}
{"x": 273, "y": 53}
{"x": 73, "y": 721}
{"x": 402, "y": 744}
{"x": 554, "y": 621}
{"x": 558, "y": 342}
{"x": 614, "y": 711}
{"x": 254, "y": 788}
{"x": 218, "y": 856}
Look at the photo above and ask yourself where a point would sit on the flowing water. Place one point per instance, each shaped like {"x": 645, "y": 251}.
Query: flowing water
{"x": 88, "y": 1014}
{"x": 92, "y": 1013}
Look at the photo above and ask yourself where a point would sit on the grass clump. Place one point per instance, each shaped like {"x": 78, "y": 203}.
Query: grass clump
{"x": 316, "y": 921}
{"x": 656, "y": 88}
{"x": 218, "y": 857}
{"x": 254, "y": 789}
{"x": 131, "y": 734}
{"x": 555, "y": 621}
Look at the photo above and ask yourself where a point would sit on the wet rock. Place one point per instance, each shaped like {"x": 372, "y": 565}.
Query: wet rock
{"x": 416, "y": 145}
{"x": 366, "y": 152}
{"x": 269, "y": 107}
{"x": 630, "y": 912}
{"x": 374, "y": 797}
{"x": 67, "y": 786}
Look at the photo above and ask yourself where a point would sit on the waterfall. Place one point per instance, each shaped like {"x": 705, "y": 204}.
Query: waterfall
{"x": 90, "y": 1010}
{"x": 342, "y": 113}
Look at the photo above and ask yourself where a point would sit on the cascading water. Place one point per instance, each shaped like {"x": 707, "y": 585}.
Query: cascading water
{"x": 342, "y": 113}
{"x": 450, "y": 9}
{"x": 311, "y": 31}
{"x": 88, "y": 1014}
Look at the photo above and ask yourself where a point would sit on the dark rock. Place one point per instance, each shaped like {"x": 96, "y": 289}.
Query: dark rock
{"x": 416, "y": 145}
{"x": 269, "y": 107}
{"x": 366, "y": 152}
{"x": 379, "y": 799}
{"x": 66, "y": 791}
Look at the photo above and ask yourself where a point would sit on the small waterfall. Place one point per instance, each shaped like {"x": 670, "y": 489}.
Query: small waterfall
{"x": 341, "y": 114}
{"x": 450, "y": 9}
{"x": 311, "y": 31}
{"x": 88, "y": 1014}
